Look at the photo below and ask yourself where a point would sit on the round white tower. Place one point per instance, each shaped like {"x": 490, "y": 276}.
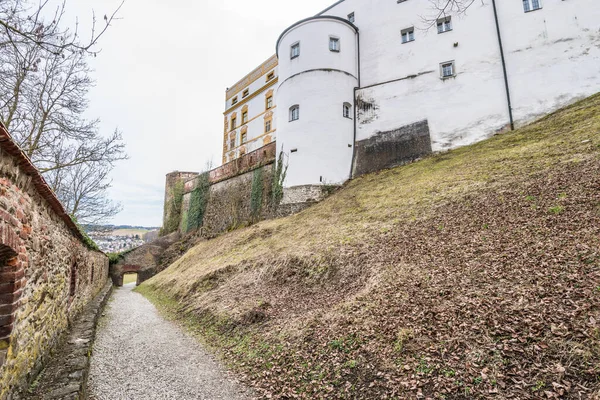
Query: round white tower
{"x": 318, "y": 71}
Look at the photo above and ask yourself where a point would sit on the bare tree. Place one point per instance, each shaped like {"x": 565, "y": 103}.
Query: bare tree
{"x": 23, "y": 21}
{"x": 44, "y": 85}
{"x": 444, "y": 8}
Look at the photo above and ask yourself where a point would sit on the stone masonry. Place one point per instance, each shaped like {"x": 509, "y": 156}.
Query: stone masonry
{"x": 47, "y": 272}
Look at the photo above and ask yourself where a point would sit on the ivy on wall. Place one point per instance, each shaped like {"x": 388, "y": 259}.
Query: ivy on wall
{"x": 198, "y": 202}
{"x": 279, "y": 173}
{"x": 256, "y": 196}
{"x": 174, "y": 211}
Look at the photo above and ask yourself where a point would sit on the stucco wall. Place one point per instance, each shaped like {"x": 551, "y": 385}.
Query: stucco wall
{"x": 47, "y": 276}
{"x": 319, "y": 81}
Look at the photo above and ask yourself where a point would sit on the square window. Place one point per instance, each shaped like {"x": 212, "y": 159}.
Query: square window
{"x": 295, "y": 50}
{"x": 246, "y": 93}
{"x": 334, "y": 44}
{"x": 270, "y": 75}
{"x": 444, "y": 24}
{"x": 234, "y": 101}
{"x": 531, "y": 5}
{"x": 447, "y": 69}
{"x": 351, "y": 17}
{"x": 408, "y": 35}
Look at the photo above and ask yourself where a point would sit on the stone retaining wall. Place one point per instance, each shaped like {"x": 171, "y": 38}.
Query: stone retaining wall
{"x": 47, "y": 272}
{"x": 66, "y": 373}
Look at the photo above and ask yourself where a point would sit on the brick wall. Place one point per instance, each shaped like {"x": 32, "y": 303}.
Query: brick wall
{"x": 264, "y": 155}
{"x": 47, "y": 274}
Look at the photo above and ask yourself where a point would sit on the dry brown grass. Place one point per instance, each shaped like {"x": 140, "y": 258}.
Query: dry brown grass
{"x": 427, "y": 261}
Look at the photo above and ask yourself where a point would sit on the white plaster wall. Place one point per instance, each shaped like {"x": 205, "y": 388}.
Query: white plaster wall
{"x": 322, "y": 135}
{"x": 461, "y": 110}
{"x": 552, "y": 54}
{"x": 313, "y": 36}
{"x": 320, "y": 82}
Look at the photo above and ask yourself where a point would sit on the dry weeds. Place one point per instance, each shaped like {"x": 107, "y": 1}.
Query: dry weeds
{"x": 470, "y": 274}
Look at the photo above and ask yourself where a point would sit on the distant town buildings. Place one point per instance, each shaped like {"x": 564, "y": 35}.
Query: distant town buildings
{"x": 108, "y": 242}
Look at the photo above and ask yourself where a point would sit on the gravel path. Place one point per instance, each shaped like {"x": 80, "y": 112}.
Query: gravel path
{"x": 139, "y": 355}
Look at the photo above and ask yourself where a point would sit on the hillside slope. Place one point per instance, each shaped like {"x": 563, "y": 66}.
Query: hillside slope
{"x": 469, "y": 274}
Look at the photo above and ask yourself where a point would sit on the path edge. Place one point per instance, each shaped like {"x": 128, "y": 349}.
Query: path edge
{"x": 65, "y": 375}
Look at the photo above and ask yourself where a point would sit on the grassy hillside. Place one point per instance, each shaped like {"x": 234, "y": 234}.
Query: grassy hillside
{"x": 470, "y": 274}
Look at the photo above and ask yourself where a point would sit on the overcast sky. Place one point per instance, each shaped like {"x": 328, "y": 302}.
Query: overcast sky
{"x": 161, "y": 79}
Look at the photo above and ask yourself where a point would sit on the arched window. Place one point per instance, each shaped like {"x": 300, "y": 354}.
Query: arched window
{"x": 294, "y": 113}
{"x": 347, "y": 110}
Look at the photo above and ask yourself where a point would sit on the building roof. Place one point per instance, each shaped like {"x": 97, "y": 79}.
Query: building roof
{"x": 8, "y": 145}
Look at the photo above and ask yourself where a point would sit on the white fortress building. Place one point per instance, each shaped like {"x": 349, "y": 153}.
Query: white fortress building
{"x": 368, "y": 84}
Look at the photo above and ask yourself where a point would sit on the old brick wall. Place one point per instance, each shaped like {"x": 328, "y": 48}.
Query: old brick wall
{"x": 47, "y": 273}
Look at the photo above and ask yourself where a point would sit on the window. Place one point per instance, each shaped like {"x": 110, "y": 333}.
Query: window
{"x": 531, "y": 5}
{"x": 234, "y": 101}
{"x": 233, "y": 123}
{"x": 408, "y": 35}
{"x": 351, "y": 17}
{"x": 270, "y": 75}
{"x": 447, "y": 69}
{"x": 268, "y": 126}
{"x": 346, "y": 110}
{"x": 295, "y": 50}
{"x": 334, "y": 44}
{"x": 246, "y": 93}
{"x": 244, "y": 117}
{"x": 444, "y": 24}
{"x": 244, "y": 137}
{"x": 269, "y": 102}
{"x": 294, "y": 113}
{"x": 231, "y": 144}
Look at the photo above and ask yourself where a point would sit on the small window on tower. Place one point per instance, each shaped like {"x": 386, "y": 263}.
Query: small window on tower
{"x": 351, "y": 17}
{"x": 233, "y": 123}
{"x": 268, "y": 126}
{"x": 270, "y": 76}
{"x": 231, "y": 144}
{"x": 244, "y": 117}
{"x": 244, "y": 137}
{"x": 334, "y": 44}
{"x": 269, "y": 102}
{"x": 295, "y": 50}
{"x": 294, "y": 113}
{"x": 246, "y": 93}
{"x": 347, "y": 110}
{"x": 234, "y": 101}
